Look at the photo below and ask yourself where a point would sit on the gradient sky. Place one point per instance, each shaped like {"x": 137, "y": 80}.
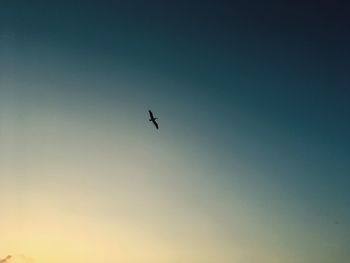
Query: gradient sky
{"x": 251, "y": 162}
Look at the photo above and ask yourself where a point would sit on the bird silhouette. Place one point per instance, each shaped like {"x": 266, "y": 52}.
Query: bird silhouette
{"x": 153, "y": 119}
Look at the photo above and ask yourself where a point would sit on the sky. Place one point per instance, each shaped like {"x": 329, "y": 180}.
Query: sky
{"x": 251, "y": 161}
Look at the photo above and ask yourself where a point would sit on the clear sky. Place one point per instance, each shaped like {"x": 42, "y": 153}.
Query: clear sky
{"x": 251, "y": 161}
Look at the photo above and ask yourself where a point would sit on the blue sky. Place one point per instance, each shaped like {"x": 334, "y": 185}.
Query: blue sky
{"x": 251, "y": 160}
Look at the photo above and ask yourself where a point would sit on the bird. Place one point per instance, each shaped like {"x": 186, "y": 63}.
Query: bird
{"x": 153, "y": 119}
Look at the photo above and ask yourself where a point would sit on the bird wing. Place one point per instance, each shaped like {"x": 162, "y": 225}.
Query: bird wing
{"x": 155, "y": 124}
{"x": 151, "y": 114}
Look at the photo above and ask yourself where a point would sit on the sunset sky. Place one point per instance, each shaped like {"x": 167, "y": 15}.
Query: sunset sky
{"x": 251, "y": 161}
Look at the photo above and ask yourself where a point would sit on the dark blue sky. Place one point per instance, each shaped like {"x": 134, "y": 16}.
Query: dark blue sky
{"x": 258, "y": 91}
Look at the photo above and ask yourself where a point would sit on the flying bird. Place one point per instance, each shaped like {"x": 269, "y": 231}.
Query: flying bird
{"x": 153, "y": 119}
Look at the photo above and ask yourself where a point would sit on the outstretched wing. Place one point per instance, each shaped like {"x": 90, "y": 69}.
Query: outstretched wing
{"x": 155, "y": 124}
{"x": 151, "y": 114}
